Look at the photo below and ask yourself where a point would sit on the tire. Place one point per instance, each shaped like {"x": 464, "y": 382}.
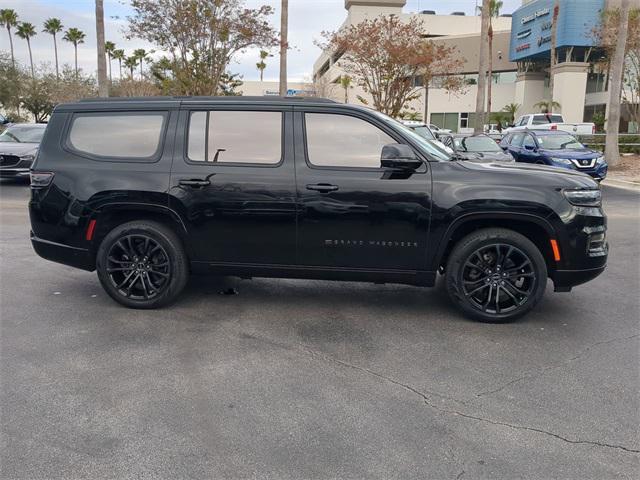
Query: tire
{"x": 142, "y": 264}
{"x": 498, "y": 262}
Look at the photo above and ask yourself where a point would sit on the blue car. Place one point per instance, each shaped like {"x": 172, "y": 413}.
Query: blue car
{"x": 556, "y": 149}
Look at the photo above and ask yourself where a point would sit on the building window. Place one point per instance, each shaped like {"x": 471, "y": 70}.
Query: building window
{"x": 447, "y": 121}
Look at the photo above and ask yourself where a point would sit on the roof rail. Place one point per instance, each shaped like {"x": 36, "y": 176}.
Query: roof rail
{"x": 230, "y": 98}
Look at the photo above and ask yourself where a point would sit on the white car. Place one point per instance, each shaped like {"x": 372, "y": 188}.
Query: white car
{"x": 438, "y": 130}
{"x": 425, "y": 132}
{"x": 550, "y": 121}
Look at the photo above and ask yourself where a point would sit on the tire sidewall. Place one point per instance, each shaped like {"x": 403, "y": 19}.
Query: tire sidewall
{"x": 172, "y": 246}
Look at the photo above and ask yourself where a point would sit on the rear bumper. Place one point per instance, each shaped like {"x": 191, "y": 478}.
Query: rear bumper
{"x": 57, "y": 252}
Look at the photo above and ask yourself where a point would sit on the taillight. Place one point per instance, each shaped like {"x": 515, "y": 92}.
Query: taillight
{"x": 593, "y": 130}
{"x": 41, "y": 179}
{"x": 554, "y": 127}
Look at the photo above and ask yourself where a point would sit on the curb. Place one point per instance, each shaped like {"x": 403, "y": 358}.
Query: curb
{"x": 625, "y": 184}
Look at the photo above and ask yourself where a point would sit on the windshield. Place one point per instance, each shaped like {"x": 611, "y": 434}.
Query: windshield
{"x": 424, "y": 132}
{"x": 427, "y": 146}
{"x": 559, "y": 142}
{"x": 22, "y": 134}
{"x": 477, "y": 144}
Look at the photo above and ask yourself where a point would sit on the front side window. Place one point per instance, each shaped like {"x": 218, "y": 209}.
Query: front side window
{"x": 225, "y": 136}
{"x": 132, "y": 135}
{"x": 477, "y": 144}
{"x": 342, "y": 141}
{"x": 516, "y": 140}
{"x": 529, "y": 141}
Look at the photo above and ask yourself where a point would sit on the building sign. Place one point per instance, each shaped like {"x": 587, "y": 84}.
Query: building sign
{"x": 524, "y": 34}
{"x": 531, "y": 27}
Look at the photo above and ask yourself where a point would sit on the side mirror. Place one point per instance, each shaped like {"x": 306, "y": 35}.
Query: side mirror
{"x": 399, "y": 157}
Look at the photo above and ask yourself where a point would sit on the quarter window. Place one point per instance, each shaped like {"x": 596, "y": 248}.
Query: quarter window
{"x": 223, "y": 136}
{"x": 134, "y": 135}
{"x": 343, "y": 141}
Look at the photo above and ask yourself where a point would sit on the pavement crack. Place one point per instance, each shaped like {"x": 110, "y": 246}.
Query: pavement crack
{"x": 448, "y": 411}
{"x": 538, "y": 373}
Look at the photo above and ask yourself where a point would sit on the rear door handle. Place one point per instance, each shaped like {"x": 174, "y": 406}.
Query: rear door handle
{"x": 194, "y": 182}
{"x": 323, "y": 187}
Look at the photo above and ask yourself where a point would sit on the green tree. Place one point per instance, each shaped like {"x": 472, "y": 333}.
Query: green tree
{"x": 120, "y": 56}
{"x": 26, "y": 31}
{"x": 494, "y": 12}
{"x": 512, "y": 110}
{"x": 76, "y": 37}
{"x": 201, "y": 37}
{"x": 131, "y": 63}
{"x": 53, "y": 26}
{"x": 9, "y": 18}
{"x": 345, "y": 83}
{"x": 141, "y": 54}
{"x": 228, "y": 84}
{"x": 261, "y": 65}
{"x": 110, "y": 48}
{"x": 12, "y": 81}
{"x": 547, "y": 106}
{"x": 37, "y": 100}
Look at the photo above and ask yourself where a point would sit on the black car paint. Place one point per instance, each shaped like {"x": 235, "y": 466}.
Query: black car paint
{"x": 380, "y": 225}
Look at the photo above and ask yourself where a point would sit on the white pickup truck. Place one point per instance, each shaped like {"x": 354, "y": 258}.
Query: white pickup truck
{"x": 550, "y": 121}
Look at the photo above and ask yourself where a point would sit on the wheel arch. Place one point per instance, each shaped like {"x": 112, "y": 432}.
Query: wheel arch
{"x": 535, "y": 228}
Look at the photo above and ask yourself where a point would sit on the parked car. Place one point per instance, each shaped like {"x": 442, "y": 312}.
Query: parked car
{"x": 300, "y": 188}
{"x": 477, "y": 148}
{"x": 550, "y": 121}
{"x": 556, "y": 149}
{"x": 18, "y": 147}
{"x": 424, "y": 131}
{"x": 437, "y": 130}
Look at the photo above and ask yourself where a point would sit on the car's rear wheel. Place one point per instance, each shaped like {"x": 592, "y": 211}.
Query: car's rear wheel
{"x": 142, "y": 264}
{"x": 496, "y": 275}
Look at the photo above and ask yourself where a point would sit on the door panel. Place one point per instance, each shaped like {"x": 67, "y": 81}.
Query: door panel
{"x": 357, "y": 218}
{"x": 243, "y": 211}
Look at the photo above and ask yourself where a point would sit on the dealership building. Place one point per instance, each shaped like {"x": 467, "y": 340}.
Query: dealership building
{"x": 521, "y": 57}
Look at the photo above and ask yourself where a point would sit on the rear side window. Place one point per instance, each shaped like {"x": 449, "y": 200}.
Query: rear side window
{"x": 546, "y": 118}
{"x": 223, "y": 136}
{"x": 131, "y": 135}
{"x": 343, "y": 141}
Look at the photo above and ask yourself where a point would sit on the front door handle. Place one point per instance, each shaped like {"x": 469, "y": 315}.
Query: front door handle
{"x": 322, "y": 187}
{"x": 195, "y": 182}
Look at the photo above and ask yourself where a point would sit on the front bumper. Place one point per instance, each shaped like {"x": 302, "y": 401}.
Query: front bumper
{"x": 14, "y": 173}
{"x": 65, "y": 254}
{"x": 565, "y": 280}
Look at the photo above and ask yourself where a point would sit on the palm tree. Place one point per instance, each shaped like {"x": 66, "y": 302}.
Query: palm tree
{"x": 75, "y": 36}
{"x": 345, "y": 83}
{"x": 612, "y": 147}
{"x": 103, "y": 85}
{"x": 547, "y": 106}
{"x": 110, "y": 48}
{"x": 512, "y": 110}
{"x": 482, "y": 67}
{"x": 119, "y": 55}
{"x": 9, "y": 18}
{"x": 53, "y": 26}
{"x": 284, "y": 44}
{"x": 494, "y": 11}
{"x": 131, "y": 63}
{"x": 142, "y": 55}
{"x": 261, "y": 65}
{"x": 25, "y": 31}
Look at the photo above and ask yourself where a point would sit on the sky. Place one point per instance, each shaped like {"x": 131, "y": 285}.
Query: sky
{"x": 307, "y": 19}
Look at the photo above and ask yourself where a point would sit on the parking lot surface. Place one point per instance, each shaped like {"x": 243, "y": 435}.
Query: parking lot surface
{"x": 308, "y": 379}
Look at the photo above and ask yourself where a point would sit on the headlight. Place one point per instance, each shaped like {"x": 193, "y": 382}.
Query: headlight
{"x": 584, "y": 198}
{"x": 28, "y": 158}
{"x": 600, "y": 160}
{"x": 563, "y": 161}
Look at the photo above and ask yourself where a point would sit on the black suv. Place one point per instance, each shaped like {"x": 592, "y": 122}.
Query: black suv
{"x": 148, "y": 190}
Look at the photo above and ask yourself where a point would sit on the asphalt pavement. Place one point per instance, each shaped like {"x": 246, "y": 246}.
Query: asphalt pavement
{"x": 301, "y": 379}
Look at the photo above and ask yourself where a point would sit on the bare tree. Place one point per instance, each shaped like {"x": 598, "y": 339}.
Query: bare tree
{"x": 103, "y": 85}
{"x": 482, "y": 67}
{"x": 284, "y": 45}
{"x": 612, "y": 148}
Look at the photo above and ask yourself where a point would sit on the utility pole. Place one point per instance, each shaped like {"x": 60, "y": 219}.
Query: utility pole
{"x": 482, "y": 67}
{"x": 284, "y": 44}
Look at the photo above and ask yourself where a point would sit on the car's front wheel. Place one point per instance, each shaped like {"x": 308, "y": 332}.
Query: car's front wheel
{"x": 142, "y": 264}
{"x": 496, "y": 275}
